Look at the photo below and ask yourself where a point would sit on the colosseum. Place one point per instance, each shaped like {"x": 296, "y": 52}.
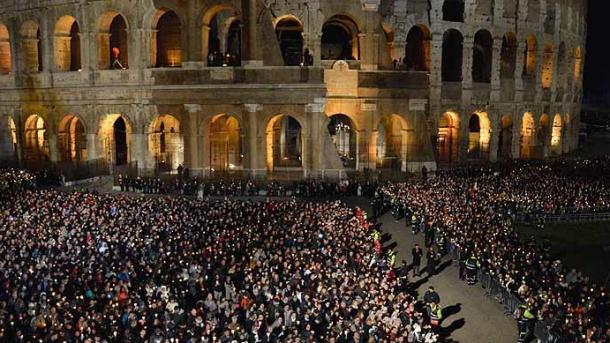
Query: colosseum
{"x": 301, "y": 87}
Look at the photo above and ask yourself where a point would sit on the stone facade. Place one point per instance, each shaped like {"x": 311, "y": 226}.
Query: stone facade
{"x": 223, "y": 84}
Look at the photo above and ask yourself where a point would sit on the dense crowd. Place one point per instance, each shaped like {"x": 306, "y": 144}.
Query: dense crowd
{"x": 473, "y": 209}
{"x": 86, "y": 267}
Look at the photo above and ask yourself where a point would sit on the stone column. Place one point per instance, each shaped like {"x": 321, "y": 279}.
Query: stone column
{"x": 496, "y": 67}
{"x": 193, "y": 137}
{"x": 367, "y": 139}
{"x": 516, "y": 141}
{"x": 314, "y": 43}
{"x": 250, "y": 52}
{"x": 93, "y": 151}
{"x": 205, "y": 43}
{"x": 496, "y": 131}
{"x": 139, "y": 152}
{"x": 314, "y": 142}
{"x": 467, "y": 50}
{"x": 255, "y": 136}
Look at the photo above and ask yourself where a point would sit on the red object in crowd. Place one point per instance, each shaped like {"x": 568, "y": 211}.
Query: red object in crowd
{"x": 377, "y": 247}
{"x": 116, "y": 52}
{"x": 391, "y": 275}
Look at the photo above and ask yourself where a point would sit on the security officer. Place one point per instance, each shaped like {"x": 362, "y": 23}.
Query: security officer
{"x": 524, "y": 320}
{"x": 391, "y": 259}
{"x": 472, "y": 266}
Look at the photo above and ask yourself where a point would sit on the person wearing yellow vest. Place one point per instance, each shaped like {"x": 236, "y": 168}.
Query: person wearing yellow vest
{"x": 435, "y": 313}
{"x": 391, "y": 259}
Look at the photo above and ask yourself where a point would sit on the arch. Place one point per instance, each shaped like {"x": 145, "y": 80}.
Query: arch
{"x": 547, "y": 66}
{"x": 556, "y": 136}
{"x": 113, "y": 41}
{"x": 343, "y": 134}
{"x": 391, "y": 143}
{"x": 451, "y": 68}
{"x": 528, "y": 136}
{"x": 543, "y": 131}
{"x": 36, "y": 139}
{"x": 226, "y": 151}
{"x": 482, "y": 57}
{"x": 529, "y": 60}
{"x": 505, "y": 142}
{"x": 417, "y": 51}
{"x": 13, "y": 131}
{"x": 577, "y": 63}
{"x": 453, "y": 10}
{"x": 447, "y": 138}
{"x": 167, "y": 40}
{"x": 479, "y": 136}
{"x": 67, "y": 44}
{"x": 508, "y": 55}
{"x": 340, "y": 39}
{"x": 223, "y": 36}
{"x": 72, "y": 139}
{"x": 289, "y": 32}
{"x": 165, "y": 142}
{"x": 115, "y": 135}
{"x": 6, "y": 64}
{"x": 284, "y": 142}
{"x": 31, "y": 47}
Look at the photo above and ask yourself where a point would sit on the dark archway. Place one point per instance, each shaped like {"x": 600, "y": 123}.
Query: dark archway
{"x": 508, "y": 56}
{"x": 340, "y": 39}
{"x": 169, "y": 40}
{"x": 482, "y": 57}
{"x": 418, "y": 49}
{"x": 452, "y": 56}
{"x": 119, "y": 54}
{"x": 290, "y": 36}
{"x": 453, "y": 10}
{"x": 120, "y": 141}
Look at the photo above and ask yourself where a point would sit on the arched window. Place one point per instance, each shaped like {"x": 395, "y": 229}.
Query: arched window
{"x": 115, "y": 135}
{"x": 290, "y": 36}
{"x": 113, "y": 42}
{"x": 5, "y": 51}
{"x": 547, "y": 67}
{"x": 482, "y": 57}
{"x": 284, "y": 143}
{"x": 224, "y": 37}
{"x": 36, "y": 142}
{"x": 452, "y": 56}
{"x": 72, "y": 139}
{"x": 225, "y": 143}
{"x": 343, "y": 134}
{"x": 447, "y": 138}
{"x": 479, "y": 136}
{"x": 168, "y": 40}
{"x": 556, "y": 143}
{"x": 530, "y": 51}
{"x": 165, "y": 143}
{"x": 340, "y": 39}
{"x": 391, "y": 142}
{"x": 508, "y": 56}
{"x": 31, "y": 47}
{"x": 453, "y": 10}
{"x": 528, "y": 136}
{"x": 67, "y": 44}
{"x": 418, "y": 49}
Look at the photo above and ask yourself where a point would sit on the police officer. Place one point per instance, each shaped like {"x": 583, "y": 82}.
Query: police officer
{"x": 472, "y": 266}
{"x": 525, "y": 318}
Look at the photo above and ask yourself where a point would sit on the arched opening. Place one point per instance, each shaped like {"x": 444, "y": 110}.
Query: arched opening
{"x": 418, "y": 49}
{"x": 5, "y": 51}
{"x": 482, "y": 57}
{"x": 36, "y": 141}
{"x": 547, "y": 67}
{"x": 168, "y": 40}
{"x": 447, "y": 138}
{"x": 556, "y": 135}
{"x": 530, "y": 51}
{"x": 508, "y": 56}
{"x": 391, "y": 143}
{"x": 284, "y": 143}
{"x": 113, "y": 42}
{"x": 224, "y": 38}
{"x": 72, "y": 139}
{"x": 561, "y": 65}
{"x": 225, "y": 143}
{"x": 340, "y": 39}
{"x": 452, "y": 56}
{"x": 543, "y": 131}
{"x": 289, "y": 33}
{"x": 528, "y": 136}
{"x": 479, "y": 136}
{"x": 31, "y": 47}
{"x": 115, "y": 134}
{"x": 165, "y": 143}
{"x": 505, "y": 142}
{"x": 13, "y": 132}
{"x": 577, "y": 64}
{"x": 67, "y": 44}
{"x": 343, "y": 134}
{"x": 453, "y": 10}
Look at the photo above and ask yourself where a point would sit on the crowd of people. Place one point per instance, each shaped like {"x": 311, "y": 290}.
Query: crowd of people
{"x": 89, "y": 267}
{"x": 473, "y": 210}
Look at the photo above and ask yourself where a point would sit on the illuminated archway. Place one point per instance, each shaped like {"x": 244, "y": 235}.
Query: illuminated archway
{"x": 417, "y": 51}
{"x": 112, "y": 41}
{"x": 543, "y": 131}
{"x": 391, "y": 143}
{"x": 31, "y": 47}
{"x": 482, "y": 57}
{"x": 451, "y": 68}
{"x": 8, "y": 139}
{"x": 343, "y": 134}
{"x": 165, "y": 142}
{"x": 508, "y": 56}
{"x": 556, "y": 136}
{"x": 289, "y": 33}
{"x": 67, "y": 44}
{"x": 528, "y": 136}
{"x": 447, "y": 138}
{"x": 284, "y": 143}
{"x": 505, "y": 142}
{"x": 340, "y": 39}
{"x": 529, "y": 60}
{"x": 225, "y": 143}
{"x": 224, "y": 30}
{"x": 6, "y": 65}
{"x": 13, "y": 131}
{"x": 72, "y": 139}
{"x": 547, "y": 67}
{"x": 115, "y": 135}
{"x": 479, "y": 135}
{"x": 36, "y": 141}
{"x": 168, "y": 40}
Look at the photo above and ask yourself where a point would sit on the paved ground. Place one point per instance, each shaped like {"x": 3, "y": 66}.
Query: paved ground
{"x": 472, "y": 316}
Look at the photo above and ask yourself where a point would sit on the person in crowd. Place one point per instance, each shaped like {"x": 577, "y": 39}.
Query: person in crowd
{"x": 416, "y": 255}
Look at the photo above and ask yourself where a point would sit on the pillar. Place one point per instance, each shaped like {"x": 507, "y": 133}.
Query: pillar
{"x": 139, "y": 151}
{"x": 496, "y": 131}
{"x": 255, "y": 135}
{"x": 93, "y": 151}
{"x": 205, "y": 43}
{"x": 250, "y": 52}
{"x": 193, "y": 139}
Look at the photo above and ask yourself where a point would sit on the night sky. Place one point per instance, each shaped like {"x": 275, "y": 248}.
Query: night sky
{"x": 597, "y": 61}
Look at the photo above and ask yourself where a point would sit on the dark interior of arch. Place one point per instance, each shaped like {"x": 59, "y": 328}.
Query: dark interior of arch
{"x": 337, "y": 35}
{"x": 289, "y": 35}
{"x": 39, "y": 50}
{"x": 508, "y": 57}
{"x": 452, "y": 56}
{"x": 482, "y": 57}
{"x": 118, "y": 39}
{"x": 120, "y": 141}
{"x": 453, "y": 10}
{"x": 234, "y": 42}
{"x": 169, "y": 51}
{"x": 474, "y": 124}
{"x": 416, "y": 50}
{"x": 74, "y": 47}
